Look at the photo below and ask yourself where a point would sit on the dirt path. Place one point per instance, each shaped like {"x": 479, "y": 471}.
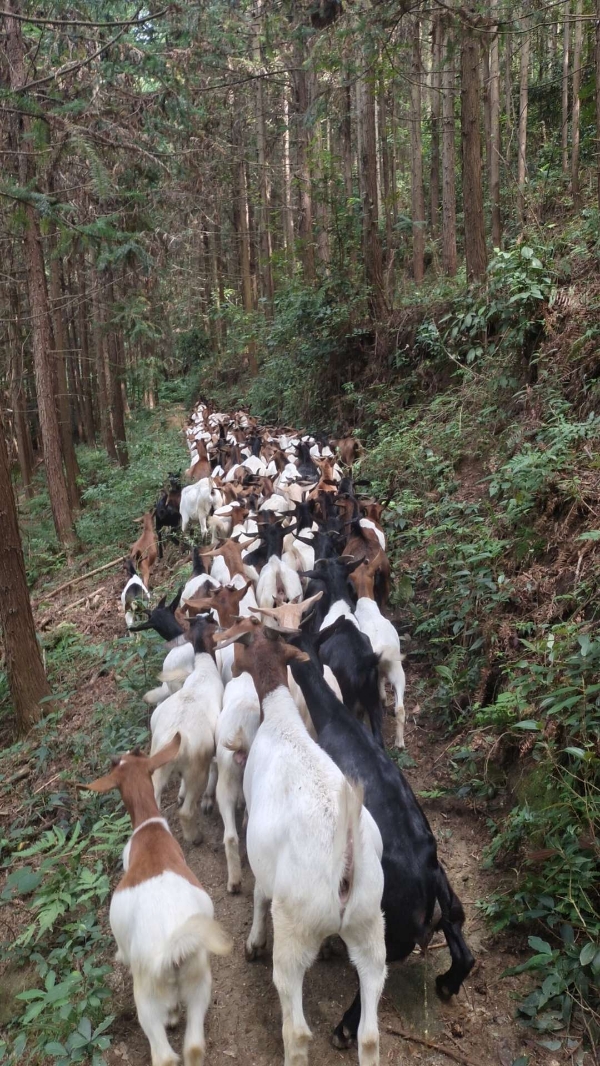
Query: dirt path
{"x": 243, "y": 1024}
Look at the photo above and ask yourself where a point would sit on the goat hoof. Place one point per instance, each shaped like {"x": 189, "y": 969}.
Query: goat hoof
{"x": 443, "y": 990}
{"x": 342, "y": 1039}
{"x": 253, "y": 952}
{"x": 172, "y": 1019}
{"x": 234, "y": 888}
{"x": 207, "y": 806}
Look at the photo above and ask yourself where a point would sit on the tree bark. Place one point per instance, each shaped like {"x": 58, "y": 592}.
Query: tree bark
{"x": 305, "y": 219}
{"x": 18, "y": 396}
{"x": 368, "y": 167}
{"x": 40, "y": 310}
{"x": 85, "y": 357}
{"x": 62, "y": 387}
{"x": 523, "y": 109}
{"x": 23, "y": 661}
{"x": 436, "y": 111}
{"x": 417, "y": 195}
{"x": 494, "y": 98}
{"x": 264, "y": 230}
{"x": 449, "y": 254}
{"x": 99, "y": 342}
{"x": 576, "y": 107}
{"x": 565, "y": 88}
{"x": 475, "y": 251}
{"x": 597, "y": 65}
{"x": 288, "y": 216}
{"x": 115, "y": 382}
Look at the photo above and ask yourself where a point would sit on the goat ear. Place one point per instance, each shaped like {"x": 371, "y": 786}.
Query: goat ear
{"x": 175, "y": 602}
{"x": 165, "y": 755}
{"x": 162, "y": 602}
{"x": 295, "y": 654}
{"x": 352, "y": 565}
{"x": 102, "y": 784}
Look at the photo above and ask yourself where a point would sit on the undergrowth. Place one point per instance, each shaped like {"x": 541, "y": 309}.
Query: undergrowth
{"x": 60, "y": 848}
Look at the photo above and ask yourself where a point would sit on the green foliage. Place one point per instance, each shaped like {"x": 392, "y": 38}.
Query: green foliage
{"x": 59, "y": 854}
{"x": 481, "y": 494}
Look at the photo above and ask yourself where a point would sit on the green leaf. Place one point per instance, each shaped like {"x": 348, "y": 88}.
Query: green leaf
{"x": 85, "y": 1028}
{"x": 55, "y": 1049}
{"x": 21, "y": 882}
{"x": 539, "y": 945}
{"x": 587, "y": 953}
{"x": 529, "y": 724}
{"x": 526, "y": 253}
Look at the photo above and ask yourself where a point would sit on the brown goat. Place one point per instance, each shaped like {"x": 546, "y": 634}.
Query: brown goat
{"x": 144, "y": 552}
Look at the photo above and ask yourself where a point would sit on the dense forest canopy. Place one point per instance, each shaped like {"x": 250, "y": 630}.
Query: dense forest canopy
{"x": 378, "y": 217}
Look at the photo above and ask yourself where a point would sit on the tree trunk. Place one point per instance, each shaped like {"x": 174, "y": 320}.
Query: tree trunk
{"x": 319, "y": 184}
{"x": 115, "y": 382}
{"x": 99, "y": 343}
{"x": 288, "y": 217}
{"x": 368, "y": 167}
{"x": 305, "y": 220}
{"x": 40, "y": 311}
{"x": 416, "y": 168}
{"x": 508, "y": 96}
{"x": 523, "y": 108}
{"x": 85, "y": 358}
{"x": 494, "y": 97}
{"x": 346, "y": 137}
{"x": 436, "y": 111}
{"x": 23, "y": 661}
{"x": 449, "y": 254}
{"x": 577, "y": 60}
{"x": 62, "y": 387}
{"x": 597, "y": 65}
{"x": 475, "y": 251}
{"x": 565, "y": 88}
{"x": 263, "y": 177}
{"x": 385, "y": 168}
{"x": 18, "y": 396}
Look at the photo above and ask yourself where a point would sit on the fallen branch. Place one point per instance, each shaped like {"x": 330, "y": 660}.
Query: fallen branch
{"x": 82, "y": 577}
{"x": 461, "y": 1059}
{"x": 77, "y": 603}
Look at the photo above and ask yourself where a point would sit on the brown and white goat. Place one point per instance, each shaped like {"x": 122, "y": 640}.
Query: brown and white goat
{"x": 144, "y": 552}
{"x": 160, "y": 915}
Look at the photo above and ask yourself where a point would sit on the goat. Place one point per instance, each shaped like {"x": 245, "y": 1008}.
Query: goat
{"x": 134, "y": 591}
{"x": 417, "y": 897}
{"x": 314, "y": 850}
{"x": 164, "y": 621}
{"x": 192, "y": 712}
{"x": 196, "y": 503}
{"x": 161, "y": 917}
{"x": 363, "y": 543}
{"x": 166, "y": 512}
{"x": 384, "y": 640}
{"x": 144, "y": 551}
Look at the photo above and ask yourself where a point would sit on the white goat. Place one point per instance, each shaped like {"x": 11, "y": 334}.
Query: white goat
{"x": 197, "y": 501}
{"x": 385, "y": 641}
{"x": 161, "y": 917}
{"x": 314, "y": 850}
{"x": 192, "y": 712}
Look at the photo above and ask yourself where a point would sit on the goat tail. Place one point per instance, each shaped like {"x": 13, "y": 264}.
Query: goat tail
{"x": 156, "y": 695}
{"x": 197, "y": 933}
{"x": 346, "y": 840}
{"x": 177, "y": 676}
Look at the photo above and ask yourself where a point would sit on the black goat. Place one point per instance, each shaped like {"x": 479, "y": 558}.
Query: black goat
{"x": 166, "y": 512}
{"x": 162, "y": 620}
{"x": 307, "y": 468}
{"x": 417, "y": 896}
{"x": 349, "y": 654}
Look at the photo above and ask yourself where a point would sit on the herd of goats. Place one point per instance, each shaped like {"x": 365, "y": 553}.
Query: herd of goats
{"x": 278, "y": 652}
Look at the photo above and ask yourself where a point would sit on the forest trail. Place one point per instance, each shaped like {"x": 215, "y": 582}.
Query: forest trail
{"x": 243, "y": 1023}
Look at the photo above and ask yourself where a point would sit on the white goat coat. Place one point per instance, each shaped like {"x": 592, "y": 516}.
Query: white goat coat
{"x": 386, "y": 644}
{"x": 298, "y": 824}
{"x": 274, "y": 576}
